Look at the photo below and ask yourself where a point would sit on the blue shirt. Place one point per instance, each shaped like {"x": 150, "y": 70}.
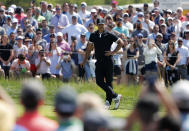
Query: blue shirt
{"x": 123, "y": 30}
{"x": 79, "y": 46}
{"x": 66, "y": 69}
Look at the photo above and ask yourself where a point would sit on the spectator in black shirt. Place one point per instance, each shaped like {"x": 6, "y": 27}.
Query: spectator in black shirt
{"x": 101, "y": 41}
{"x": 6, "y": 54}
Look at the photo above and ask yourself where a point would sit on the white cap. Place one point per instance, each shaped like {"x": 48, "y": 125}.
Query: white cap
{"x": 180, "y": 93}
{"x": 10, "y": 10}
{"x": 180, "y": 8}
{"x": 93, "y": 11}
{"x": 170, "y": 18}
{"x": 14, "y": 20}
{"x": 161, "y": 18}
{"x": 83, "y": 4}
{"x": 60, "y": 34}
{"x": 13, "y": 6}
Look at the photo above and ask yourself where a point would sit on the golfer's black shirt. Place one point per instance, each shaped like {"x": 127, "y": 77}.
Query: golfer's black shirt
{"x": 102, "y": 43}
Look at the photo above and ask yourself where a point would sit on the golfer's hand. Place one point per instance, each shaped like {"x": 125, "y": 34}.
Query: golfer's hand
{"x": 109, "y": 53}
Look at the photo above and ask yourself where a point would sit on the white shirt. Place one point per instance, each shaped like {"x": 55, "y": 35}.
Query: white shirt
{"x": 59, "y": 21}
{"x": 74, "y": 30}
{"x": 150, "y": 55}
{"x": 54, "y": 61}
{"x": 84, "y": 15}
{"x": 186, "y": 43}
{"x": 116, "y": 57}
{"x": 184, "y": 53}
{"x": 44, "y": 68}
{"x": 16, "y": 65}
{"x": 128, "y": 25}
{"x": 145, "y": 26}
{"x": 22, "y": 50}
{"x": 70, "y": 16}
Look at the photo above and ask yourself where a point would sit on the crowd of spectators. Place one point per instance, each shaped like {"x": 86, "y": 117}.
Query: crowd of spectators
{"x": 50, "y": 42}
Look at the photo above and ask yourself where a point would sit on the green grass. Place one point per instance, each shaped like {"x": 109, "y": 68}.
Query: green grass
{"x": 130, "y": 95}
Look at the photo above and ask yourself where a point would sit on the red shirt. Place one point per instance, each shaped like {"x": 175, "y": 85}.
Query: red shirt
{"x": 33, "y": 121}
{"x": 19, "y": 17}
{"x": 182, "y": 18}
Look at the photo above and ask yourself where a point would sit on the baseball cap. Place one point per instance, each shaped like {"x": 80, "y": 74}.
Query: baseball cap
{"x": 100, "y": 21}
{"x": 51, "y": 26}
{"x": 105, "y": 11}
{"x": 14, "y": 20}
{"x": 83, "y": 4}
{"x": 74, "y": 16}
{"x": 140, "y": 14}
{"x": 93, "y": 11}
{"x": 163, "y": 25}
{"x": 125, "y": 15}
{"x": 140, "y": 35}
{"x": 145, "y": 5}
{"x": 169, "y": 11}
{"x": 170, "y": 18}
{"x": 159, "y": 34}
{"x": 180, "y": 93}
{"x": 186, "y": 31}
{"x": 2, "y": 10}
{"x": 180, "y": 39}
{"x": 82, "y": 34}
{"x": 162, "y": 19}
{"x": 114, "y": 2}
{"x": 65, "y": 100}
{"x": 180, "y": 8}
{"x": 10, "y": 10}
{"x": 19, "y": 37}
{"x": 60, "y": 34}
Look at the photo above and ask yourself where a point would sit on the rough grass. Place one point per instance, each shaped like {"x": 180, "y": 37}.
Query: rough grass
{"x": 130, "y": 95}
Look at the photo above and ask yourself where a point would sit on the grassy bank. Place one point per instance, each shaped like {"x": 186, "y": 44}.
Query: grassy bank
{"x": 130, "y": 95}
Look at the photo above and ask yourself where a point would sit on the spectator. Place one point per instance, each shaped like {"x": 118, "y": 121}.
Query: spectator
{"x": 163, "y": 30}
{"x": 20, "y": 67}
{"x": 180, "y": 15}
{"x": 20, "y": 48}
{"x": 44, "y": 12}
{"x": 37, "y": 16}
{"x": 67, "y": 67}
{"x": 8, "y": 24}
{"x": 170, "y": 27}
{"x": 51, "y": 33}
{"x": 90, "y": 30}
{"x": 12, "y": 40}
{"x": 131, "y": 65}
{"x": 161, "y": 61}
{"x": 39, "y": 40}
{"x": 74, "y": 29}
{"x": 147, "y": 24}
{"x": 180, "y": 96}
{"x": 2, "y": 17}
{"x": 92, "y": 18}
{"x": 182, "y": 65}
{"x": 66, "y": 106}
{"x": 186, "y": 38}
{"x": 44, "y": 27}
{"x": 172, "y": 58}
{"x": 32, "y": 97}
{"x": 62, "y": 44}
{"x": 150, "y": 55}
{"x": 42, "y": 64}
{"x": 13, "y": 27}
{"x": 60, "y": 21}
{"x": 32, "y": 21}
{"x": 6, "y": 55}
{"x": 71, "y": 12}
{"x": 84, "y": 14}
{"x": 19, "y": 14}
{"x": 65, "y": 8}
{"x": 127, "y": 23}
{"x": 154, "y": 33}
{"x": 30, "y": 33}
{"x": 54, "y": 53}
{"x": 81, "y": 48}
{"x": 121, "y": 29}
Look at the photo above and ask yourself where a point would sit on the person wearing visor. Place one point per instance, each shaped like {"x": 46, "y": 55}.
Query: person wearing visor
{"x": 101, "y": 41}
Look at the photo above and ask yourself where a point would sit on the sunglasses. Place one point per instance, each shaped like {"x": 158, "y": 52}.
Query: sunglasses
{"x": 57, "y": 8}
